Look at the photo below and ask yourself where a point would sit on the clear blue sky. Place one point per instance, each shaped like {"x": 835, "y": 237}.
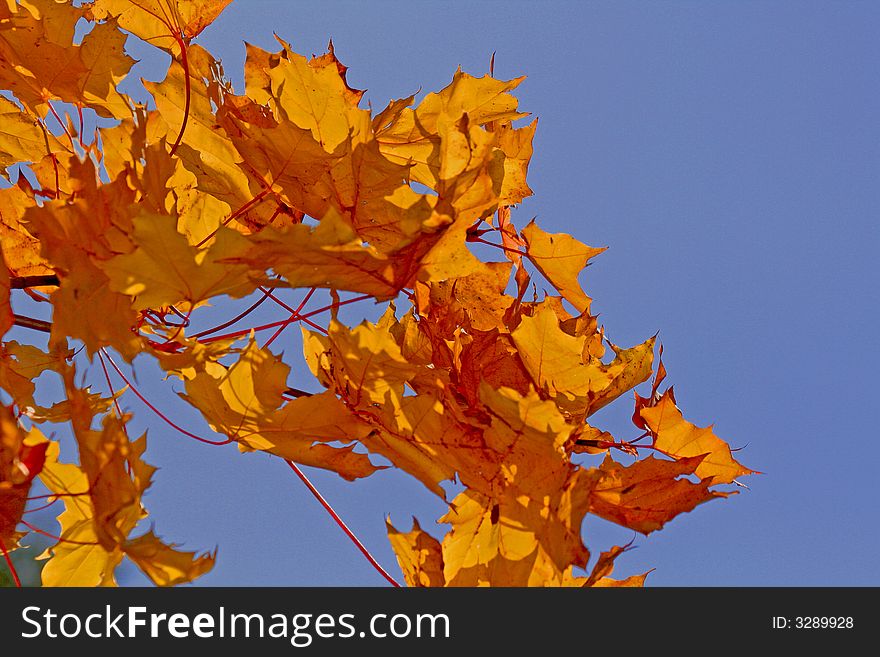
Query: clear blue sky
{"x": 728, "y": 153}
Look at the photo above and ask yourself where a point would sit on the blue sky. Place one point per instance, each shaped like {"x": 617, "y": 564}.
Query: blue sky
{"x": 728, "y": 154}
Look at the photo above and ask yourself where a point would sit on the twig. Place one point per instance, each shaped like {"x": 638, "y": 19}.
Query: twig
{"x": 22, "y": 282}
{"x": 354, "y": 539}
{"x": 31, "y": 323}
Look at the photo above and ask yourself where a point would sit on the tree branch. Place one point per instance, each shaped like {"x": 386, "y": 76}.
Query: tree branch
{"x": 21, "y": 282}
{"x": 31, "y": 323}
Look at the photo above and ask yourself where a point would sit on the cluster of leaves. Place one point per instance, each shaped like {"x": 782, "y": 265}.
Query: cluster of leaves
{"x": 129, "y": 231}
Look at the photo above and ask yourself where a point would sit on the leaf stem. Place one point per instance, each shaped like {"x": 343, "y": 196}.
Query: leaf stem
{"x": 10, "y": 564}
{"x": 235, "y": 319}
{"x": 284, "y": 322}
{"x": 113, "y": 393}
{"x": 186, "y": 87}
{"x": 354, "y": 539}
{"x": 159, "y": 413}
{"x": 34, "y": 528}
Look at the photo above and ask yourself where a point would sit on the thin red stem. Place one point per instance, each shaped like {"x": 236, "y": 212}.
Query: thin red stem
{"x": 79, "y": 111}
{"x": 235, "y": 319}
{"x": 162, "y": 415}
{"x": 284, "y": 305}
{"x": 41, "y": 507}
{"x": 53, "y": 537}
{"x": 500, "y": 246}
{"x": 186, "y": 90}
{"x": 56, "y": 495}
{"x": 294, "y": 315}
{"x": 9, "y": 563}
{"x": 180, "y": 326}
{"x": 112, "y": 392}
{"x": 354, "y": 539}
{"x": 279, "y": 331}
{"x": 244, "y": 208}
{"x": 303, "y": 317}
{"x": 63, "y": 127}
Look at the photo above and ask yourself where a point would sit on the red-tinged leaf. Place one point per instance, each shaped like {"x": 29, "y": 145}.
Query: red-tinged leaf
{"x": 649, "y": 493}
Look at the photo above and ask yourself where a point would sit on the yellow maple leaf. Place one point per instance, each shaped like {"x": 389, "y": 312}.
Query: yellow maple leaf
{"x": 21, "y": 250}
{"x": 22, "y": 138}
{"x": 560, "y": 258}
{"x": 160, "y": 23}
{"x": 205, "y": 148}
{"x": 557, "y": 365}
{"x": 20, "y": 365}
{"x": 102, "y": 498}
{"x": 675, "y": 436}
{"x": 246, "y": 403}
{"x": 329, "y": 255}
{"x": 165, "y": 565}
{"x": 419, "y": 555}
{"x": 165, "y": 269}
{"x": 412, "y": 137}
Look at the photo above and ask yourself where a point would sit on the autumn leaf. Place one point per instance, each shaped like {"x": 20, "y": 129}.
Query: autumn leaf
{"x": 329, "y": 255}
{"x": 38, "y": 60}
{"x": 19, "y": 465}
{"x": 22, "y": 139}
{"x": 412, "y": 136}
{"x": 649, "y": 493}
{"x": 77, "y": 559}
{"x": 20, "y": 366}
{"x": 206, "y": 150}
{"x": 557, "y": 365}
{"x": 246, "y": 403}
{"x": 20, "y": 249}
{"x": 102, "y": 498}
{"x": 419, "y": 555}
{"x": 165, "y": 565}
{"x": 161, "y": 23}
{"x": 165, "y": 269}
{"x": 676, "y": 437}
{"x": 560, "y": 258}
{"x": 298, "y": 199}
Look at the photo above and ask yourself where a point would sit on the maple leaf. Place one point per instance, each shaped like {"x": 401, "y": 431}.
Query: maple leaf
{"x": 19, "y": 465}
{"x": 245, "y": 402}
{"x": 164, "y": 564}
{"x": 560, "y": 258}
{"x": 205, "y": 148}
{"x": 678, "y": 438}
{"x": 22, "y": 137}
{"x": 647, "y": 494}
{"x": 20, "y": 365}
{"x": 165, "y": 269}
{"x": 556, "y": 362}
{"x": 39, "y": 61}
{"x": 20, "y": 249}
{"x": 77, "y": 559}
{"x": 203, "y": 194}
{"x": 412, "y": 136}
{"x": 419, "y": 555}
{"x": 512, "y": 540}
{"x": 102, "y": 497}
{"x": 161, "y": 23}
{"x": 328, "y": 255}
